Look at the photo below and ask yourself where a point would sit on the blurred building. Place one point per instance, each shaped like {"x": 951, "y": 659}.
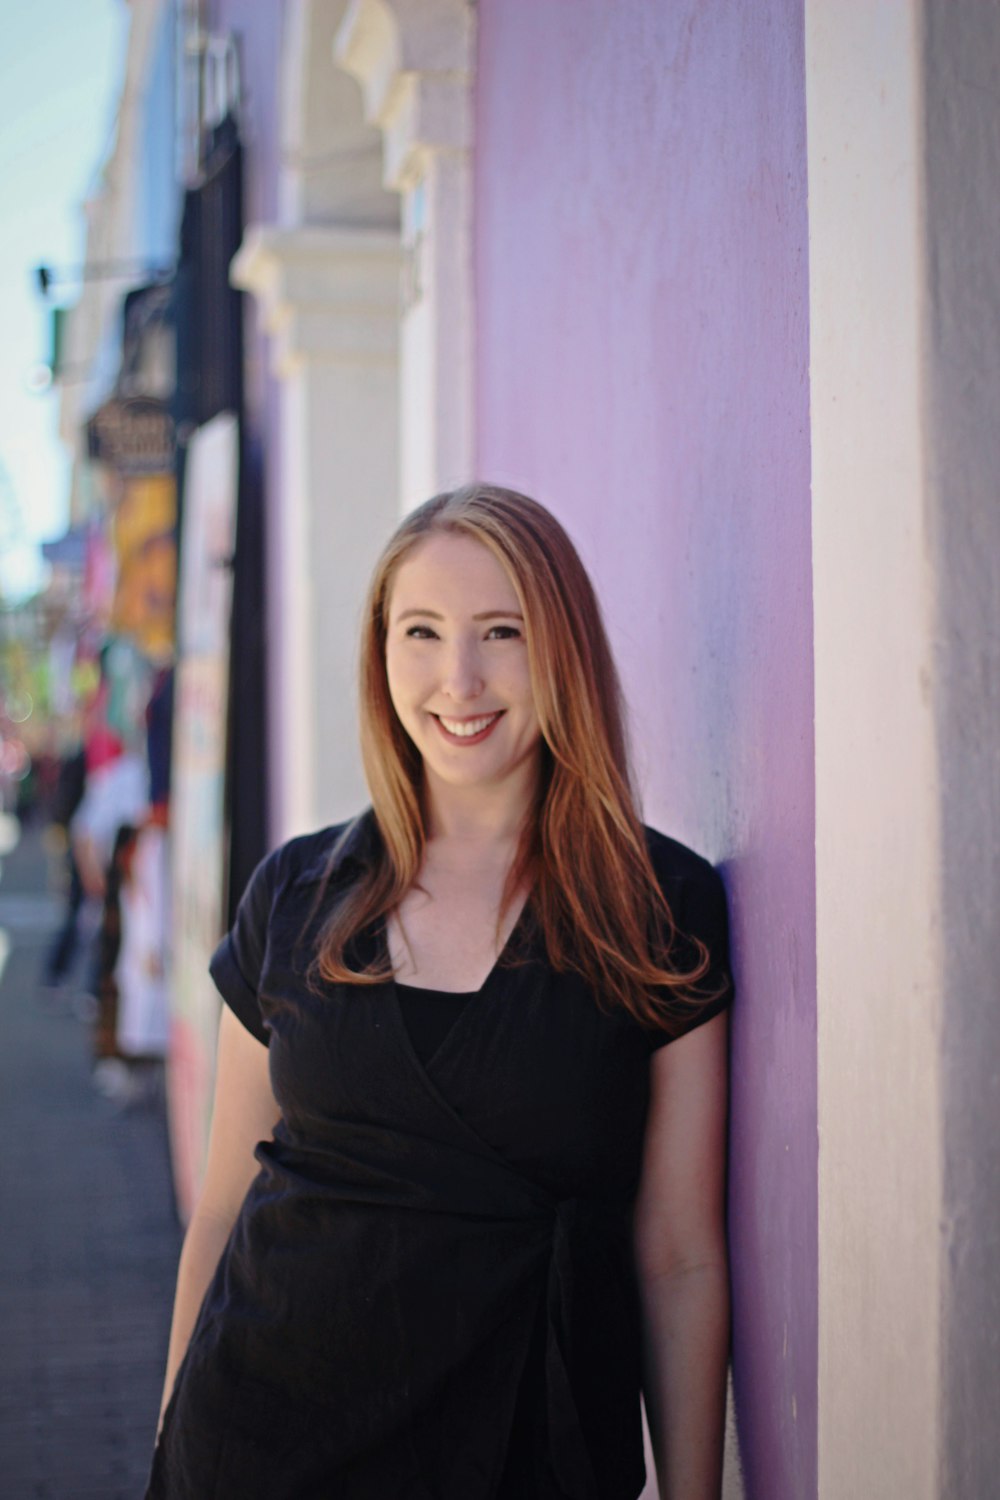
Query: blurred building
{"x": 717, "y": 284}
{"x": 166, "y": 491}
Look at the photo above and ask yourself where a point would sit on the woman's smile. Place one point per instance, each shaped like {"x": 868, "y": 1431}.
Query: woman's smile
{"x": 468, "y": 731}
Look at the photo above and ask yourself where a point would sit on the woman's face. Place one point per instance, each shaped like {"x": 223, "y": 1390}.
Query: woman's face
{"x": 457, "y": 664}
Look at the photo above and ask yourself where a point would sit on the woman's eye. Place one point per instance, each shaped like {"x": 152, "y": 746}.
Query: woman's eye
{"x": 420, "y": 633}
{"x": 503, "y": 633}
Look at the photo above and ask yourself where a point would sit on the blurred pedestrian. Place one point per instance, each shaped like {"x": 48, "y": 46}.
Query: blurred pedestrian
{"x": 103, "y": 832}
{"x": 142, "y": 1021}
{"x": 66, "y": 798}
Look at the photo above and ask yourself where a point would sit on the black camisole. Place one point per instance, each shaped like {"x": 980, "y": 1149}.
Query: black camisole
{"x": 429, "y": 1015}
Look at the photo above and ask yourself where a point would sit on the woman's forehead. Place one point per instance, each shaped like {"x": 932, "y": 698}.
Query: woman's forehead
{"x": 451, "y": 572}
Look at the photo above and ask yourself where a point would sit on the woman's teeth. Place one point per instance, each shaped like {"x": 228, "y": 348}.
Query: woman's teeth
{"x": 465, "y": 728}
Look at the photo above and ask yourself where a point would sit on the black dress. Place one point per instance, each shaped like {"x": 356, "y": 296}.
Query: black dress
{"x": 428, "y": 1293}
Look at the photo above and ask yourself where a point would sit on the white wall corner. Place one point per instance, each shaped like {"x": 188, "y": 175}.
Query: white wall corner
{"x": 881, "y": 970}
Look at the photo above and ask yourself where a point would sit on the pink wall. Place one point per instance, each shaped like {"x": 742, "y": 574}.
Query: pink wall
{"x": 642, "y": 366}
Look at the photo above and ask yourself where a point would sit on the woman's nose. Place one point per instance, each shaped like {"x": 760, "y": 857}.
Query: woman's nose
{"x": 463, "y": 678}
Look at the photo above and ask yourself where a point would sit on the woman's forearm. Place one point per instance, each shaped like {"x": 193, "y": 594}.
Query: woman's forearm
{"x": 203, "y": 1245}
{"x": 686, "y": 1326}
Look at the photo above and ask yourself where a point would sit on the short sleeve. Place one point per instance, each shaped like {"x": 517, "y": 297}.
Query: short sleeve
{"x": 236, "y": 964}
{"x": 700, "y": 911}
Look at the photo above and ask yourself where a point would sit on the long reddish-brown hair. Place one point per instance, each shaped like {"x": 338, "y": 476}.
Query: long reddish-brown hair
{"x": 594, "y": 894}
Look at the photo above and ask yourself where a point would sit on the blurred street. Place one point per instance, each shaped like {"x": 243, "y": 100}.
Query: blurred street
{"x": 89, "y": 1239}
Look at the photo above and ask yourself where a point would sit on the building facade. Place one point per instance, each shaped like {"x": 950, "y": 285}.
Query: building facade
{"x": 715, "y": 284}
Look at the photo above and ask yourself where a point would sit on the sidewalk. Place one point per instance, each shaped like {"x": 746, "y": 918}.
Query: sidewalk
{"x": 88, "y": 1236}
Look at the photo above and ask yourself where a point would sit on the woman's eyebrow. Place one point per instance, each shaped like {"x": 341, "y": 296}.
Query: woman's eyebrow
{"x": 486, "y": 614}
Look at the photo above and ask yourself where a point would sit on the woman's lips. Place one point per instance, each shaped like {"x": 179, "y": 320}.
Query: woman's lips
{"x": 472, "y": 732}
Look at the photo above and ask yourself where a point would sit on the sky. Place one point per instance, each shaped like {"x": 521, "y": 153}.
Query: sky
{"x": 61, "y": 68}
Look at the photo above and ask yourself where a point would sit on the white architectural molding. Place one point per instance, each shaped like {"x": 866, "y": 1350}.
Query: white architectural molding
{"x": 329, "y": 297}
{"x": 881, "y": 969}
{"x": 368, "y": 45}
{"x": 331, "y": 157}
{"x": 324, "y": 293}
{"x": 413, "y": 60}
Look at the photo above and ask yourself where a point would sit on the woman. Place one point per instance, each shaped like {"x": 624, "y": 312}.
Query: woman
{"x": 484, "y": 1188}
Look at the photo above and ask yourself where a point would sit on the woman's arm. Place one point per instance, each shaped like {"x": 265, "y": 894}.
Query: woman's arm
{"x": 244, "y": 1112}
{"x": 680, "y": 1243}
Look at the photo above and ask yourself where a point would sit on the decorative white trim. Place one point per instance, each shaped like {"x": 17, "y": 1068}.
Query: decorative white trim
{"x": 368, "y": 45}
{"x": 413, "y": 60}
{"x": 324, "y": 293}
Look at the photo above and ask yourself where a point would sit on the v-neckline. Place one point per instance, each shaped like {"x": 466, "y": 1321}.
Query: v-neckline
{"x": 475, "y": 1002}
{"x": 382, "y": 941}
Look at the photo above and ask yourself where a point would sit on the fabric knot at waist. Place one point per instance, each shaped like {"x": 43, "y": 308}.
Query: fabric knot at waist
{"x": 569, "y": 1258}
{"x": 592, "y": 1351}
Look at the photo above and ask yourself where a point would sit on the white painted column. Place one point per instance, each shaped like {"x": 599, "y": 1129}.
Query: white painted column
{"x": 882, "y": 971}
{"x": 413, "y": 60}
{"x": 329, "y": 298}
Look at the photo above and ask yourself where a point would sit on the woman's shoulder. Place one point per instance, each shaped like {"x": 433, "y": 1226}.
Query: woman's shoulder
{"x": 696, "y": 895}
{"x": 673, "y": 861}
{"x": 311, "y": 857}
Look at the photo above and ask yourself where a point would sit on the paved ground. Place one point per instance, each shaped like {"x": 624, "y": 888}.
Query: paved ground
{"x": 88, "y": 1235}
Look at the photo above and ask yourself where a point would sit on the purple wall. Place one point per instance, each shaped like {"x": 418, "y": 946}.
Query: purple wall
{"x": 642, "y": 366}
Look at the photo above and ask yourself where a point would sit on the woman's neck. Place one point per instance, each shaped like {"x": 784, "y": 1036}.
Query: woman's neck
{"x": 478, "y": 818}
